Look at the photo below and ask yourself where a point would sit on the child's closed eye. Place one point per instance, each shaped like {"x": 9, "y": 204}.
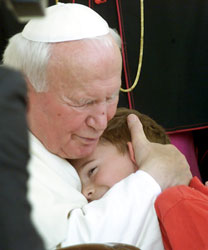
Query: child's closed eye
{"x": 91, "y": 171}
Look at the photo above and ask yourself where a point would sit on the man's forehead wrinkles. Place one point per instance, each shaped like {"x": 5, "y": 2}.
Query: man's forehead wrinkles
{"x": 80, "y": 95}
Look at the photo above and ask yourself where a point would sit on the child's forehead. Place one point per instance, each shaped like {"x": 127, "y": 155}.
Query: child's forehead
{"x": 81, "y": 163}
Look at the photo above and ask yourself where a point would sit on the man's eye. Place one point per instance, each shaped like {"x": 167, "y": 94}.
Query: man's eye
{"x": 78, "y": 105}
{"x": 83, "y": 105}
{"x": 91, "y": 171}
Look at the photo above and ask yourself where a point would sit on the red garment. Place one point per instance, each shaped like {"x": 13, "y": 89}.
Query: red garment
{"x": 183, "y": 216}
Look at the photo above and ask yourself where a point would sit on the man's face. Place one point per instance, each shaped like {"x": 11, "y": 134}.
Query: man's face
{"x": 102, "y": 169}
{"x": 83, "y": 94}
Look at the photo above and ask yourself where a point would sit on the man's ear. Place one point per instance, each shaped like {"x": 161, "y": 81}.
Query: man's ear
{"x": 131, "y": 152}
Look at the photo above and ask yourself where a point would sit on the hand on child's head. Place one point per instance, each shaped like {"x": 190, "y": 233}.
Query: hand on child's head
{"x": 164, "y": 163}
{"x": 138, "y": 138}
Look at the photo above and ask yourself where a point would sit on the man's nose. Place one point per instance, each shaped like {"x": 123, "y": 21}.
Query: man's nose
{"x": 98, "y": 118}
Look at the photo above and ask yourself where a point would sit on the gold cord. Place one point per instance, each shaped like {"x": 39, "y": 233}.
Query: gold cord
{"x": 141, "y": 49}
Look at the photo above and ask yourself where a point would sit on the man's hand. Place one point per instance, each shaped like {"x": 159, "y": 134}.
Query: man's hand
{"x": 163, "y": 162}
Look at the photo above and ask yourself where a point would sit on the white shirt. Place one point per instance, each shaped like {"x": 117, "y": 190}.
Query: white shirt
{"x": 125, "y": 214}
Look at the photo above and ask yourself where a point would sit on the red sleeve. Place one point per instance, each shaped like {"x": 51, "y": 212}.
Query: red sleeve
{"x": 183, "y": 216}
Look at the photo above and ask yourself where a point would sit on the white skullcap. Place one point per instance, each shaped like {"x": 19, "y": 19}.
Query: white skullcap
{"x": 65, "y": 22}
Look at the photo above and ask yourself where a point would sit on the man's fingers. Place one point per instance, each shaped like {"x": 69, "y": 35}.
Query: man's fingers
{"x": 163, "y": 162}
{"x": 138, "y": 138}
{"x": 136, "y": 129}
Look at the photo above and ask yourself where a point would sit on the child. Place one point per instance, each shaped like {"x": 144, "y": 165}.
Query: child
{"x": 113, "y": 161}
{"x": 113, "y": 158}
{"x": 182, "y": 210}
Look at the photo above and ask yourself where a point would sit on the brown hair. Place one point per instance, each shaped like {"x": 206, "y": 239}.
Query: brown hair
{"x": 118, "y": 134}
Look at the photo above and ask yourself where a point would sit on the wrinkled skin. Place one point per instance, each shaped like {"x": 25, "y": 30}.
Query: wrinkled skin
{"x": 84, "y": 81}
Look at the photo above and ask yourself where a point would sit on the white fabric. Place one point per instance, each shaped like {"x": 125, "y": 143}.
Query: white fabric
{"x": 125, "y": 214}
{"x": 65, "y": 22}
{"x": 54, "y": 190}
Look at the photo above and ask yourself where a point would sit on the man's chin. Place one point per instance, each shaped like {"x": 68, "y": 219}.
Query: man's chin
{"x": 86, "y": 151}
{"x": 81, "y": 151}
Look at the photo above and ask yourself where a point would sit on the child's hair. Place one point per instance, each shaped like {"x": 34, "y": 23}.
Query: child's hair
{"x": 118, "y": 134}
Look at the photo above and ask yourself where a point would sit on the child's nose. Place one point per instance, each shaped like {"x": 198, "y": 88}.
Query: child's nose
{"x": 88, "y": 192}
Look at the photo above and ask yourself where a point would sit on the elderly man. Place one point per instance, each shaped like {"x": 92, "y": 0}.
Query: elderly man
{"x": 72, "y": 65}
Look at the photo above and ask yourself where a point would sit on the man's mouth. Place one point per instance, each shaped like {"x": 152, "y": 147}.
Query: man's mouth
{"x": 88, "y": 140}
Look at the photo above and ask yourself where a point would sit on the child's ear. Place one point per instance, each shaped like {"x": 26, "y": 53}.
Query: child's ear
{"x": 131, "y": 152}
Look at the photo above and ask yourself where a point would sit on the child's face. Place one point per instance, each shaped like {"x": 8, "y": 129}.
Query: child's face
{"x": 102, "y": 169}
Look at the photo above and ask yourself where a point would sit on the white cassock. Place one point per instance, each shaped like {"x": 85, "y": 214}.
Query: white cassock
{"x": 125, "y": 214}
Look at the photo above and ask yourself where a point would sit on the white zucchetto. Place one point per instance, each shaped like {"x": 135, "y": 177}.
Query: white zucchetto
{"x": 65, "y": 22}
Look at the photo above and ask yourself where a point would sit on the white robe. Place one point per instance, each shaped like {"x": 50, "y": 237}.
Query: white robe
{"x": 125, "y": 214}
